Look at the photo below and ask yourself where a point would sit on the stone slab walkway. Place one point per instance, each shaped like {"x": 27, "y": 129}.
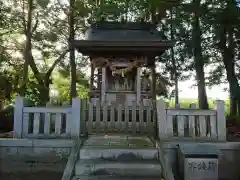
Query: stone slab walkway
{"x": 121, "y": 141}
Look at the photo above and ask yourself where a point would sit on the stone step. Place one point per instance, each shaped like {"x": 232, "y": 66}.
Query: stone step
{"x": 114, "y": 178}
{"x": 128, "y": 154}
{"x": 97, "y": 167}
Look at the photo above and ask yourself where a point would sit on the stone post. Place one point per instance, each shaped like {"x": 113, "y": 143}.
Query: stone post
{"x": 162, "y": 119}
{"x": 221, "y": 120}
{"x": 76, "y": 118}
{"x": 18, "y": 117}
{"x": 192, "y": 124}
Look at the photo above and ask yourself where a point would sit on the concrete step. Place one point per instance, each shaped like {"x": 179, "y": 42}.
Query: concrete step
{"x": 123, "y": 154}
{"x": 97, "y": 167}
{"x": 113, "y": 178}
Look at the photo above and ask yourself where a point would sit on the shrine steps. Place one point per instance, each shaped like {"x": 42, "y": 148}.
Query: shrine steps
{"x": 119, "y": 169}
{"x": 116, "y": 153}
{"x": 128, "y": 165}
{"x": 106, "y": 162}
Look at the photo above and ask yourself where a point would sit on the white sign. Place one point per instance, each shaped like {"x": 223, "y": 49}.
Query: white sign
{"x": 200, "y": 168}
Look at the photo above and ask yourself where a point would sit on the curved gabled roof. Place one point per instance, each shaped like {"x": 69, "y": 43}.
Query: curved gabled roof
{"x": 122, "y": 38}
{"x": 115, "y": 31}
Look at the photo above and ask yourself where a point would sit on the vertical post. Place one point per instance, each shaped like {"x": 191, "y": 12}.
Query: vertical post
{"x": 192, "y": 124}
{"x": 99, "y": 79}
{"x": 180, "y": 123}
{"x": 162, "y": 119}
{"x": 221, "y": 120}
{"x": 18, "y": 117}
{"x": 103, "y": 88}
{"x": 153, "y": 84}
{"x": 138, "y": 85}
{"x": 91, "y": 80}
{"x": 75, "y": 120}
{"x": 177, "y": 106}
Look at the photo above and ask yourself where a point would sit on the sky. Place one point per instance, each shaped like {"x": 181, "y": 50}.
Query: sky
{"x": 215, "y": 93}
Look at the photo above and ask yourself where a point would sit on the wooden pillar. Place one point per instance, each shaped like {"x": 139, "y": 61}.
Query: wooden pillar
{"x": 99, "y": 79}
{"x": 153, "y": 92}
{"x": 153, "y": 84}
{"x": 91, "y": 80}
{"x": 103, "y": 88}
{"x": 138, "y": 90}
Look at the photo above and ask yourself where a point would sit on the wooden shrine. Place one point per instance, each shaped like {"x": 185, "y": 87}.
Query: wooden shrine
{"x": 119, "y": 53}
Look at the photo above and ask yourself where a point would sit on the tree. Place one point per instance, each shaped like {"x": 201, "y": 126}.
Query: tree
{"x": 9, "y": 69}
{"x": 198, "y": 57}
{"x": 225, "y": 35}
{"x": 44, "y": 40}
{"x": 227, "y": 46}
{"x": 73, "y": 91}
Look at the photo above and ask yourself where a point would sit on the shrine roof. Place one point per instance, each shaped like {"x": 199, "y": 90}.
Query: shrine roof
{"x": 118, "y": 37}
{"x": 112, "y": 31}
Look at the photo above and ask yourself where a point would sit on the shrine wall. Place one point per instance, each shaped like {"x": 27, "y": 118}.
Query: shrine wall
{"x": 22, "y": 155}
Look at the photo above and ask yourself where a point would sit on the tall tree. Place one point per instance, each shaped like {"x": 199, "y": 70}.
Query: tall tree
{"x": 227, "y": 46}
{"x": 28, "y": 43}
{"x": 32, "y": 14}
{"x": 198, "y": 57}
{"x": 174, "y": 66}
{"x": 73, "y": 92}
{"x": 224, "y": 18}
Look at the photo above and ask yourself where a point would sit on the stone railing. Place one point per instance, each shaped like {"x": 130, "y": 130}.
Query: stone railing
{"x": 191, "y": 123}
{"x": 80, "y": 118}
{"x": 47, "y": 122}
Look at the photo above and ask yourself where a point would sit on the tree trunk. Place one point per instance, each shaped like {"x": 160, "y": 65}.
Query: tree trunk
{"x": 153, "y": 71}
{"x": 228, "y": 60}
{"x": 46, "y": 90}
{"x": 174, "y": 64}
{"x": 27, "y": 48}
{"x": 238, "y": 106}
{"x": 233, "y": 104}
{"x": 73, "y": 90}
{"x": 199, "y": 62}
{"x": 227, "y": 47}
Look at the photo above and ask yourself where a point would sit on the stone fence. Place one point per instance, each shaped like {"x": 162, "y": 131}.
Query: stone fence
{"x": 71, "y": 121}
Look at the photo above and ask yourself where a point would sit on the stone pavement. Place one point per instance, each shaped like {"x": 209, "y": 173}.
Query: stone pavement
{"x": 118, "y": 156}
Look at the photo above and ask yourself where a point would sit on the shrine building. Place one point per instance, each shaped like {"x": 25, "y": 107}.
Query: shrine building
{"x": 119, "y": 53}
